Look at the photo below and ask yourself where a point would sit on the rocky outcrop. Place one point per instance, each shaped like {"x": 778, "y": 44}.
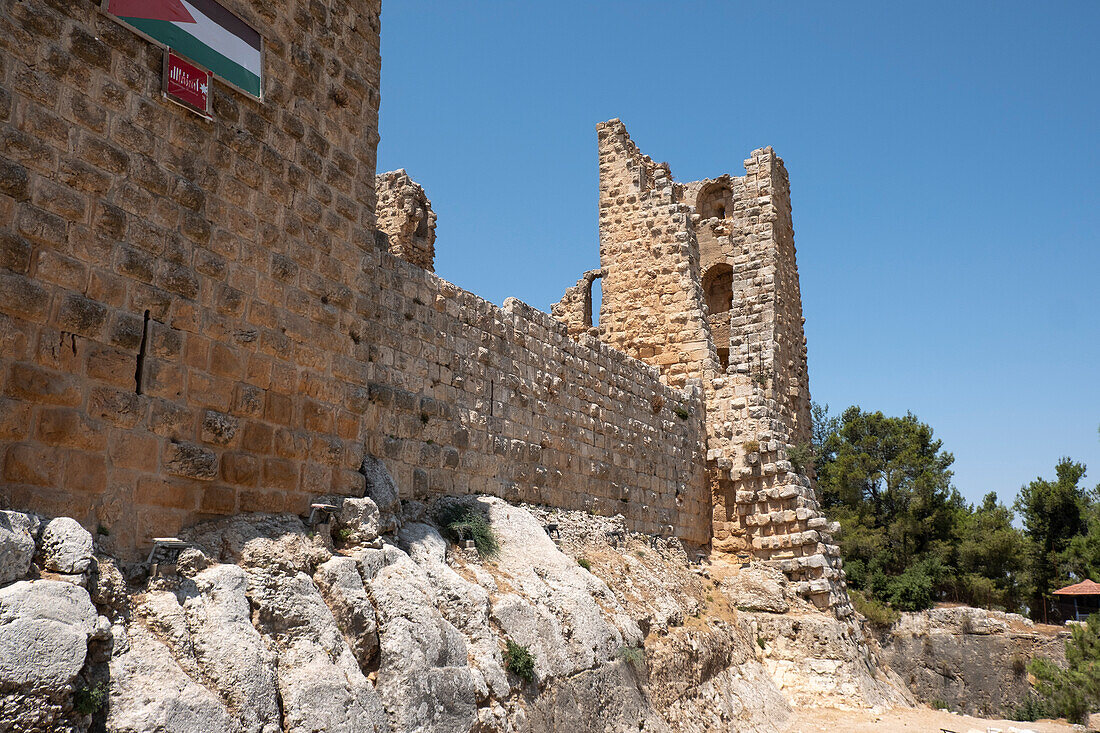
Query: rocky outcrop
{"x": 17, "y": 544}
{"x": 45, "y": 630}
{"x": 375, "y": 622}
{"x": 969, "y": 659}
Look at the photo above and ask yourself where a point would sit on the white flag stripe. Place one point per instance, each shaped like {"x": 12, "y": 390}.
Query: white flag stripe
{"x": 221, "y": 40}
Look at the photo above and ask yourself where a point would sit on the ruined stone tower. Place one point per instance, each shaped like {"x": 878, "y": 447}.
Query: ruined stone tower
{"x": 699, "y": 279}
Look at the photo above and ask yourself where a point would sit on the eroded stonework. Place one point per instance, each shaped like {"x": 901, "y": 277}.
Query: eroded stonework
{"x": 699, "y": 280}
{"x": 406, "y": 222}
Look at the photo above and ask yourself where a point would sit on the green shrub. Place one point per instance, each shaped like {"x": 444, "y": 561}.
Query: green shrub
{"x": 104, "y": 531}
{"x": 914, "y": 589}
{"x": 751, "y": 446}
{"x": 585, "y": 563}
{"x": 760, "y": 378}
{"x": 90, "y": 700}
{"x": 801, "y": 457}
{"x": 878, "y": 613}
{"x": 518, "y": 660}
{"x": 761, "y": 643}
{"x": 1074, "y": 691}
{"x": 1032, "y": 708}
{"x": 464, "y": 521}
{"x": 343, "y": 534}
{"x": 940, "y": 704}
{"x": 634, "y": 656}
{"x": 682, "y": 413}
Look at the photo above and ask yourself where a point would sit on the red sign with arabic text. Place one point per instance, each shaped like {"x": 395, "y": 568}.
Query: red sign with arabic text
{"x": 187, "y": 83}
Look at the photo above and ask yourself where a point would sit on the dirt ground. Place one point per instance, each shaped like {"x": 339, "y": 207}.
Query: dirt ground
{"x": 917, "y": 720}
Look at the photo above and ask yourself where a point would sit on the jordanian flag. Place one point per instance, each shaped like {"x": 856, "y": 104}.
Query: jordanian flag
{"x": 203, "y": 31}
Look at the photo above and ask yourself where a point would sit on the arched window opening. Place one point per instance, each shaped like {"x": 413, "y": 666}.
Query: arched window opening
{"x": 714, "y": 201}
{"x": 718, "y": 288}
{"x": 593, "y": 299}
{"x": 724, "y": 359}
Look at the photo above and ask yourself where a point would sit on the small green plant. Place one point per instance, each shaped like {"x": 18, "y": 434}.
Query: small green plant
{"x": 424, "y": 418}
{"x": 801, "y": 457}
{"x": 940, "y": 704}
{"x": 760, "y": 378}
{"x": 104, "y": 531}
{"x": 877, "y": 612}
{"x": 682, "y": 413}
{"x": 343, "y": 534}
{"x": 634, "y": 656}
{"x": 710, "y": 598}
{"x": 640, "y": 553}
{"x": 90, "y": 700}
{"x": 751, "y": 446}
{"x": 464, "y": 522}
{"x": 761, "y": 643}
{"x": 585, "y": 563}
{"x": 518, "y": 660}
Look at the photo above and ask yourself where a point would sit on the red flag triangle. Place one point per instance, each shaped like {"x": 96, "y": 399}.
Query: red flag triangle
{"x": 151, "y": 10}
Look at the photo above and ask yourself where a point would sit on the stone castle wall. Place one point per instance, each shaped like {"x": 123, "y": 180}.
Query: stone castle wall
{"x": 197, "y": 318}
{"x": 652, "y": 299}
{"x": 700, "y": 280}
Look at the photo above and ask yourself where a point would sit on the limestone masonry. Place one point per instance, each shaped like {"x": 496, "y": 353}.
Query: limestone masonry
{"x": 205, "y": 318}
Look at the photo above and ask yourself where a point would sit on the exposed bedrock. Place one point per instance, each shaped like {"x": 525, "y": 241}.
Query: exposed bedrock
{"x": 267, "y": 625}
{"x": 969, "y": 659}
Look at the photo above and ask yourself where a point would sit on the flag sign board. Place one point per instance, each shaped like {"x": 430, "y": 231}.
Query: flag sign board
{"x": 202, "y": 31}
{"x": 186, "y": 83}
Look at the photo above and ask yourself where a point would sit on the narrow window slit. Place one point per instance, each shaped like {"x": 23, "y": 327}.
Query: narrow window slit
{"x": 141, "y": 353}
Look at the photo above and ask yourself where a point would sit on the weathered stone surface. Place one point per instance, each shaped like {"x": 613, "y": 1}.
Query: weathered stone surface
{"x": 17, "y": 533}
{"x": 406, "y": 222}
{"x": 151, "y": 692}
{"x": 359, "y": 520}
{"x": 66, "y": 546}
{"x": 423, "y": 673}
{"x": 757, "y": 589}
{"x": 817, "y": 659}
{"x": 320, "y": 683}
{"x": 972, "y": 659}
{"x": 289, "y": 637}
{"x": 536, "y": 569}
{"x": 342, "y": 587}
{"x": 259, "y": 540}
{"x": 382, "y": 491}
{"x": 228, "y": 649}
{"x": 44, "y": 630}
{"x": 464, "y": 604}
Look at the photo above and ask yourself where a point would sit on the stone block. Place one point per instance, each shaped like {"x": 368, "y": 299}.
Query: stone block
{"x": 190, "y": 461}
{"x": 242, "y": 469}
{"x": 70, "y": 428}
{"x": 86, "y": 473}
{"x": 133, "y": 450}
{"x": 218, "y": 428}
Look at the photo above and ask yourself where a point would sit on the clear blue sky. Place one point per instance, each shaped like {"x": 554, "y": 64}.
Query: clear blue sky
{"x": 945, "y": 174}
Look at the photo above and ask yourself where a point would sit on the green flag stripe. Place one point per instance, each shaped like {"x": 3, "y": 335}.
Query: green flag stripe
{"x": 178, "y": 40}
